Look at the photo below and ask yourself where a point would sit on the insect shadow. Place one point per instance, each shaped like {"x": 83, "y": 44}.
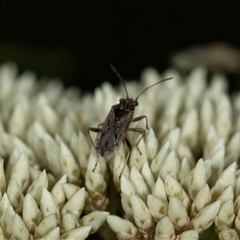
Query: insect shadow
{"x": 113, "y": 130}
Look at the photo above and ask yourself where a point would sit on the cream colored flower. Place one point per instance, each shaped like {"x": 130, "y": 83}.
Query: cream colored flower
{"x": 185, "y": 183}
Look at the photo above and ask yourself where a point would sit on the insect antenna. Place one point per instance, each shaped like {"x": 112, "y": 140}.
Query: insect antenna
{"x": 119, "y": 76}
{"x": 163, "y": 80}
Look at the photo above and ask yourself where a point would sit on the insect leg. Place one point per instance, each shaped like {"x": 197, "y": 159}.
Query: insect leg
{"x": 140, "y": 118}
{"x": 125, "y": 162}
{"x": 140, "y": 131}
{"x": 128, "y": 144}
{"x": 94, "y": 130}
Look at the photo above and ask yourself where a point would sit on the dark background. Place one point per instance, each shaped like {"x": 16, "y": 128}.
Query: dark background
{"x": 78, "y": 40}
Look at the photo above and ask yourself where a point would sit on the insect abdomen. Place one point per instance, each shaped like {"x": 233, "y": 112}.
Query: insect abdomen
{"x": 106, "y": 145}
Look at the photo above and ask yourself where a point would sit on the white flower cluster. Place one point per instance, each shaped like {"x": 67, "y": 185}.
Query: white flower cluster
{"x": 185, "y": 184}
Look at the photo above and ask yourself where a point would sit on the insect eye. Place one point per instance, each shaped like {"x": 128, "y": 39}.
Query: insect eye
{"x": 136, "y": 103}
{"x": 121, "y": 100}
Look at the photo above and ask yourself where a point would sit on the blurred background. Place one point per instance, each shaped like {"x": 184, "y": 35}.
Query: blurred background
{"x": 77, "y": 40}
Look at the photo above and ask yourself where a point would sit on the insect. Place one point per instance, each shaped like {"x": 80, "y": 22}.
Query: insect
{"x": 113, "y": 130}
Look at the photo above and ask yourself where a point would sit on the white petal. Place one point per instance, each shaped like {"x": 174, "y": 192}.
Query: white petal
{"x": 234, "y": 143}
{"x": 210, "y": 141}
{"x": 141, "y": 214}
{"x": 138, "y": 183}
{"x": 47, "y": 204}
{"x": 58, "y": 191}
{"x": 190, "y": 234}
{"x": 70, "y": 189}
{"x": 206, "y": 216}
{"x": 7, "y": 222}
{"x": 226, "y": 195}
{"x": 157, "y": 207}
{"x": 148, "y": 176}
{"x": 53, "y": 155}
{"x": 217, "y": 163}
{"x": 124, "y": 228}
{"x": 37, "y": 185}
{"x": 119, "y": 167}
{"x": 137, "y": 159}
{"x": 77, "y": 233}
{"x": 95, "y": 180}
{"x": 184, "y": 170}
{"x": 178, "y": 213}
{"x": 225, "y": 216}
{"x": 228, "y": 234}
{"x": 174, "y": 189}
{"x": 199, "y": 178}
{"x": 47, "y": 115}
{"x": 183, "y": 151}
{"x": 69, "y": 222}
{"x": 224, "y": 122}
{"x": 94, "y": 219}
{"x": 126, "y": 205}
{"x": 53, "y": 234}
{"x": 164, "y": 229}
{"x": 151, "y": 144}
{"x": 227, "y": 178}
{"x": 127, "y": 186}
{"x": 160, "y": 159}
{"x": 206, "y": 116}
{"x": 173, "y": 137}
{"x": 4, "y": 204}
{"x": 31, "y": 213}
{"x": 69, "y": 165}
{"x": 15, "y": 195}
{"x": 83, "y": 151}
{"x": 48, "y": 224}
{"x": 25, "y": 148}
{"x": 19, "y": 120}
{"x": 20, "y": 171}
{"x": 19, "y": 231}
{"x": 170, "y": 166}
{"x": 75, "y": 204}
{"x": 189, "y": 130}
{"x": 203, "y": 198}
{"x": 159, "y": 190}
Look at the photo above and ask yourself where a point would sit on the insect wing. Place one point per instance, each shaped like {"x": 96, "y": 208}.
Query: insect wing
{"x": 124, "y": 118}
{"x": 105, "y": 141}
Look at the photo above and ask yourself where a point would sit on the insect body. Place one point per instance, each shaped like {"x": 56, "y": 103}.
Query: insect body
{"x": 114, "y": 128}
{"x": 113, "y": 131}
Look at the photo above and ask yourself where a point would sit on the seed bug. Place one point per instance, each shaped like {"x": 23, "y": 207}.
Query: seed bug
{"x": 113, "y": 130}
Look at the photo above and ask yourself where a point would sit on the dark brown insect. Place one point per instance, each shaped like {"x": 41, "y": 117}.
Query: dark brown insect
{"x": 113, "y": 130}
